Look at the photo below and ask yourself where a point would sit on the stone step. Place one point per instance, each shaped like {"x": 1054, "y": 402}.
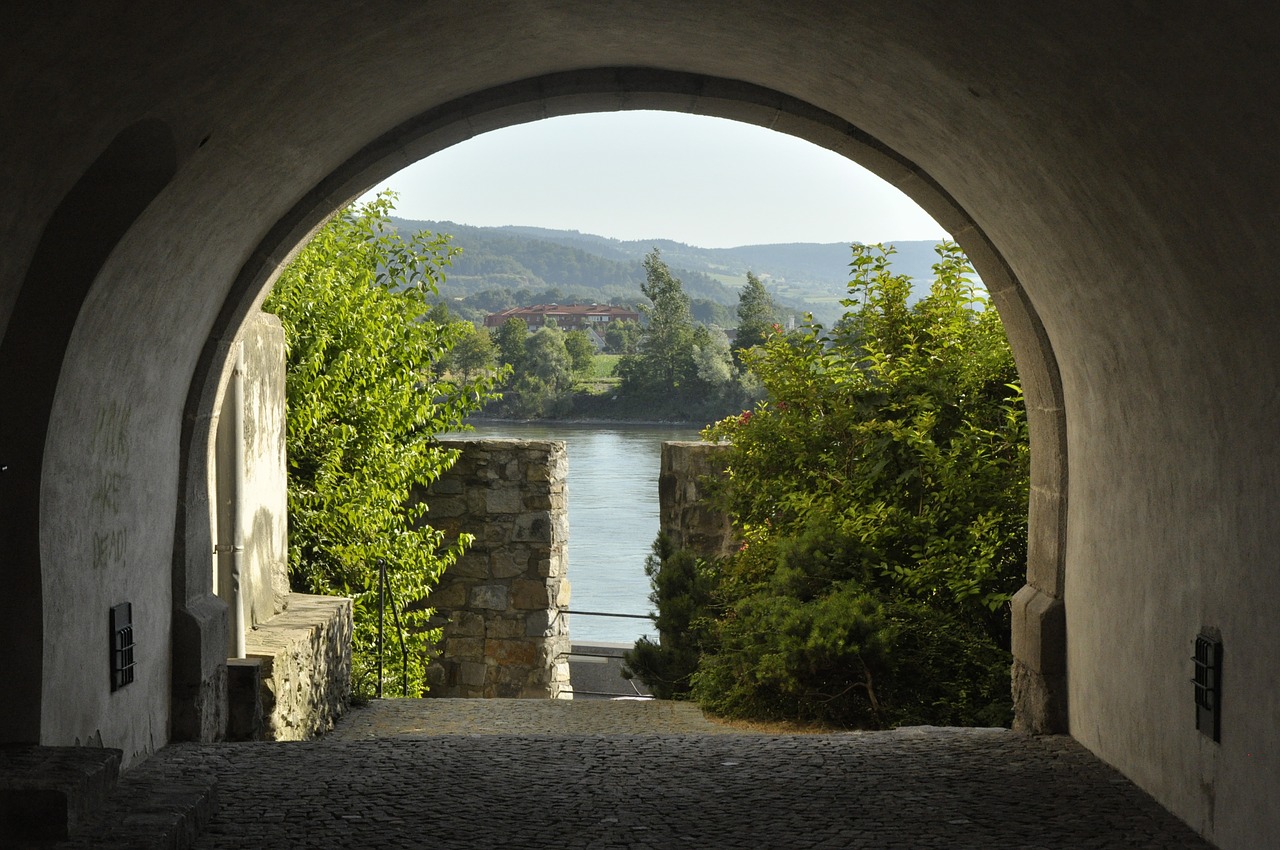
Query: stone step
{"x": 416, "y": 718}
{"x": 595, "y": 672}
{"x": 47, "y": 793}
{"x": 162, "y": 804}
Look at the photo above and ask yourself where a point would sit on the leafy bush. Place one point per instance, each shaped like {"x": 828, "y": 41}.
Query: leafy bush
{"x": 363, "y": 407}
{"x": 682, "y": 588}
{"x": 808, "y": 632}
{"x": 881, "y": 490}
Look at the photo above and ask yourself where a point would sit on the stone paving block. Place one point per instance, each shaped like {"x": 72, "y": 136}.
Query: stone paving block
{"x": 513, "y": 774}
{"x": 536, "y": 774}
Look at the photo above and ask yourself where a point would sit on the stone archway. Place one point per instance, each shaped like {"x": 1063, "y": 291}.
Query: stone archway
{"x": 1039, "y": 618}
{"x": 1116, "y": 156}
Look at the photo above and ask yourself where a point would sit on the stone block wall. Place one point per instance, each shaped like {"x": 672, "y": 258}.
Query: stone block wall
{"x": 685, "y": 516}
{"x": 502, "y": 606}
{"x": 299, "y": 661}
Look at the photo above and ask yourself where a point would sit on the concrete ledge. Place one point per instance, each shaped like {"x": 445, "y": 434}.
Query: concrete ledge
{"x": 47, "y": 792}
{"x": 199, "y": 670}
{"x": 304, "y": 662}
{"x": 164, "y": 803}
{"x": 1039, "y": 662}
{"x": 595, "y": 671}
{"x": 1039, "y": 625}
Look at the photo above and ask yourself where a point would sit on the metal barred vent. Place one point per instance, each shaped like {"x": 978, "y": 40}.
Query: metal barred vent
{"x": 122, "y": 665}
{"x": 1208, "y": 686}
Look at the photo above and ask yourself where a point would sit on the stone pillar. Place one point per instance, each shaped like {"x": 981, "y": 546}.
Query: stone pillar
{"x": 266, "y": 539}
{"x": 686, "y": 517}
{"x": 502, "y": 606}
{"x": 1039, "y": 625}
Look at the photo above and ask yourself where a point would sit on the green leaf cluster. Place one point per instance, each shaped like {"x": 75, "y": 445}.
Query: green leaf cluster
{"x": 881, "y": 490}
{"x": 365, "y": 401}
{"x": 683, "y": 588}
{"x": 680, "y": 369}
{"x": 756, "y": 314}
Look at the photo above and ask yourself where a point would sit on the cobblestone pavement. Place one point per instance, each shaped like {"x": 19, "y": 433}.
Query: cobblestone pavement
{"x": 412, "y": 717}
{"x": 652, "y": 777}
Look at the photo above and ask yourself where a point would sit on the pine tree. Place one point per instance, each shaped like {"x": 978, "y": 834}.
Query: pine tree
{"x": 756, "y": 314}
{"x": 664, "y": 363}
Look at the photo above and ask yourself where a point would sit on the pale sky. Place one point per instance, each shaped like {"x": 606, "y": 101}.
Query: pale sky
{"x": 708, "y": 182}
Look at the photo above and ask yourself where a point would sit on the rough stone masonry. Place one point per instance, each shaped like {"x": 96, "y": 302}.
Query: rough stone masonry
{"x": 502, "y": 606}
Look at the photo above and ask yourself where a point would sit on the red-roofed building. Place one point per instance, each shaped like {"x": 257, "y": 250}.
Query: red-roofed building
{"x": 567, "y": 316}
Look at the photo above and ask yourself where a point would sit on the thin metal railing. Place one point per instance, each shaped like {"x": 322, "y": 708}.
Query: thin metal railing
{"x": 605, "y": 614}
{"x": 395, "y": 613}
{"x": 404, "y": 653}
{"x": 637, "y": 694}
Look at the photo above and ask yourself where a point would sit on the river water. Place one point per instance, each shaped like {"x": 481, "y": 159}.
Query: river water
{"x": 613, "y": 517}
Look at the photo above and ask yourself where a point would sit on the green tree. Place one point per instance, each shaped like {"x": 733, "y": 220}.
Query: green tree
{"x": 363, "y": 408}
{"x": 756, "y": 314}
{"x": 473, "y": 355}
{"x": 581, "y": 351}
{"x": 906, "y": 422}
{"x": 622, "y": 337}
{"x": 510, "y": 339}
{"x": 541, "y": 386}
{"x": 881, "y": 490}
{"x": 547, "y": 358}
{"x": 663, "y": 363}
{"x": 712, "y": 362}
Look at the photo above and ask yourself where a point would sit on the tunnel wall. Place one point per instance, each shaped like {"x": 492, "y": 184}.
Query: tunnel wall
{"x": 265, "y": 570}
{"x": 1110, "y": 163}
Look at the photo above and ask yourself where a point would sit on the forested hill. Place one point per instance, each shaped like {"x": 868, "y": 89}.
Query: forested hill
{"x": 494, "y": 258}
{"x": 796, "y": 264}
{"x": 503, "y": 266}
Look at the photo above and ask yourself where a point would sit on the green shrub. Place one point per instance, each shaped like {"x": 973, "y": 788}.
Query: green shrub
{"x": 881, "y": 490}
{"x": 364, "y": 402}
{"x": 682, "y": 587}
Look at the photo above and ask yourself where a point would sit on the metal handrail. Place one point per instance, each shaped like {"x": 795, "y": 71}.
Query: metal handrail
{"x": 382, "y": 601}
{"x": 605, "y": 614}
{"x": 395, "y": 613}
{"x": 404, "y": 651}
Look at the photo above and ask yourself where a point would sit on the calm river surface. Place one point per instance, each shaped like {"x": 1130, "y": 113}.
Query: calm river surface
{"x": 613, "y": 517}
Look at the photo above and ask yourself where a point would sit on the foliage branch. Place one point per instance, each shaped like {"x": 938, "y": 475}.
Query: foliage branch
{"x": 881, "y": 492}
{"x": 364, "y": 405}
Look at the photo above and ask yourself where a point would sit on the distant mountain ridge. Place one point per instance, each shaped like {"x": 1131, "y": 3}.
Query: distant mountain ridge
{"x": 803, "y": 276}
